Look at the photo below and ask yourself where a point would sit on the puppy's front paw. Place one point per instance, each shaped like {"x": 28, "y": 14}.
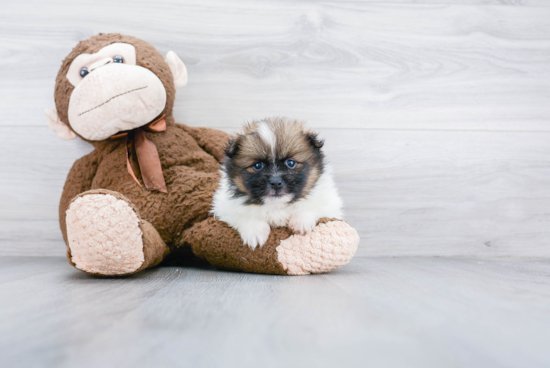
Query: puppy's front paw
{"x": 255, "y": 234}
{"x": 302, "y": 223}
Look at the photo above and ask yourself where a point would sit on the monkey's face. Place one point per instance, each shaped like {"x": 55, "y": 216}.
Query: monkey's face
{"x": 112, "y": 83}
{"x": 112, "y": 93}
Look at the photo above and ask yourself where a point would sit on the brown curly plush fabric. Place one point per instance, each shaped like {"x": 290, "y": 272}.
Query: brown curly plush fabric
{"x": 190, "y": 163}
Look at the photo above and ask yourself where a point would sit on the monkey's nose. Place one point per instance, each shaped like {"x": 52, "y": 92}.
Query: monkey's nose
{"x": 276, "y": 182}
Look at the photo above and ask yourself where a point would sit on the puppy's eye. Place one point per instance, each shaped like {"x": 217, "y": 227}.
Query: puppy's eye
{"x": 83, "y": 72}
{"x": 258, "y": 166}
{"x": 118, "y": 59}
{"x": 290, "y": 163}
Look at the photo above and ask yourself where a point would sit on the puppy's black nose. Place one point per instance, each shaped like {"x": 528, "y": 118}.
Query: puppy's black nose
{"x": 276, "y": 182}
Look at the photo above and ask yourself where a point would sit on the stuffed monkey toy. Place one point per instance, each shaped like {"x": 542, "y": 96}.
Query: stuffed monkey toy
{"x": 146, "y": 190}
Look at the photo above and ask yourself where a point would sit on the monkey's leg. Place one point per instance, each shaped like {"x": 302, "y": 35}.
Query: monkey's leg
{"x": 330, "y": 245}
{"x": 107, "y": 237}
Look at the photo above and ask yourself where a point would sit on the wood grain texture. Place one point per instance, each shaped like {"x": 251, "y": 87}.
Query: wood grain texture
{"x": 436, "y": 113}
{"x": 375, "y": 312}
{"x": 346, "y": 64}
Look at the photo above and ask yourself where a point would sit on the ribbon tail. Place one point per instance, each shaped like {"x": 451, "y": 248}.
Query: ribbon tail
{"x": 129, "y": 165}
{"x": 149, "y": 162}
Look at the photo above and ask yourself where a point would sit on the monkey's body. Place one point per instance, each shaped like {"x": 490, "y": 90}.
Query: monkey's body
{"x": 191, "y": 172}
{"x": 113, "y": 226}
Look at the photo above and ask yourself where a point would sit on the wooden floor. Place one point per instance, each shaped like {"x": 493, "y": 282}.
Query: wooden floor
{"x": 375, "y": 312}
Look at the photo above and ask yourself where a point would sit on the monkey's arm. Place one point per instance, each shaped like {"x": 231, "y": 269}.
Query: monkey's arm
{"x": 78, "y": 180}
{"x": 212, "y": 141}
{"x": 330, "y": 245}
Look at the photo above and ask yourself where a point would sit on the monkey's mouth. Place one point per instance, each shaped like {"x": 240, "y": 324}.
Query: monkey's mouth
{"x": 112, "y": 98}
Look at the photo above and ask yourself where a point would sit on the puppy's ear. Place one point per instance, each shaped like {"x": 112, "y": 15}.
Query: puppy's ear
{"x": 314, "y": 140}
{"x": 232, "y": 147}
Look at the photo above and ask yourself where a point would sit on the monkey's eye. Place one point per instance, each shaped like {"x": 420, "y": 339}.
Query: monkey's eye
{"x": 258, "y": 166}
{"x": 84, "y": 72}
{"x": 290, "y": 163}
{"x": 118, "y": 59}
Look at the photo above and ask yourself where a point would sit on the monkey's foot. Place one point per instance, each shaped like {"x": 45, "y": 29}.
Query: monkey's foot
{"x": 104, "y": 235}
{"x": 329, "y": 246}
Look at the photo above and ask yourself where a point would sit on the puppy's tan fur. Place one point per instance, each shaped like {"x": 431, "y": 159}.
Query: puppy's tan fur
{"x": 291, "y": 141}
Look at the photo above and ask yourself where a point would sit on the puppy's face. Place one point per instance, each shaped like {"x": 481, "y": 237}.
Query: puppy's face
{"x": 274, "y": 160}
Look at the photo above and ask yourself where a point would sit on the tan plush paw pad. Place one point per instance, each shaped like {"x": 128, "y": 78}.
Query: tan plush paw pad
{"x": 104, "y": 235}
{"x": 328, "y": 247}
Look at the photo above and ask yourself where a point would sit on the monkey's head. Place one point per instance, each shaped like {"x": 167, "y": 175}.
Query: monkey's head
{"x": 112, "y": 83}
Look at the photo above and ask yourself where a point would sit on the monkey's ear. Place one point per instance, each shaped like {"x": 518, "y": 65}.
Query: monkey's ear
{"x": 314, "y": 140}
{"x": 62, "y": 130}
{"x": 179, "y": 71}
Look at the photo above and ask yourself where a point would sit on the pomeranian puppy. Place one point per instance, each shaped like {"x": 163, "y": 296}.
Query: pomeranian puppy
{"x": 274, "y": 175}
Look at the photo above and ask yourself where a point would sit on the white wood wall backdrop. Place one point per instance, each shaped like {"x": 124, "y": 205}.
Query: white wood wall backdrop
{"x": 436, "y": 113}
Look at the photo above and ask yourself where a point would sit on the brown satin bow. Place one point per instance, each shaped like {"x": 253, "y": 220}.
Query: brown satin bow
{"x": 147, "y": 154}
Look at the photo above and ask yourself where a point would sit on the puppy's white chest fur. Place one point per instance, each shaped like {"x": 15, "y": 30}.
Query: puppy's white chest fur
{"x": 254, "y": 222}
